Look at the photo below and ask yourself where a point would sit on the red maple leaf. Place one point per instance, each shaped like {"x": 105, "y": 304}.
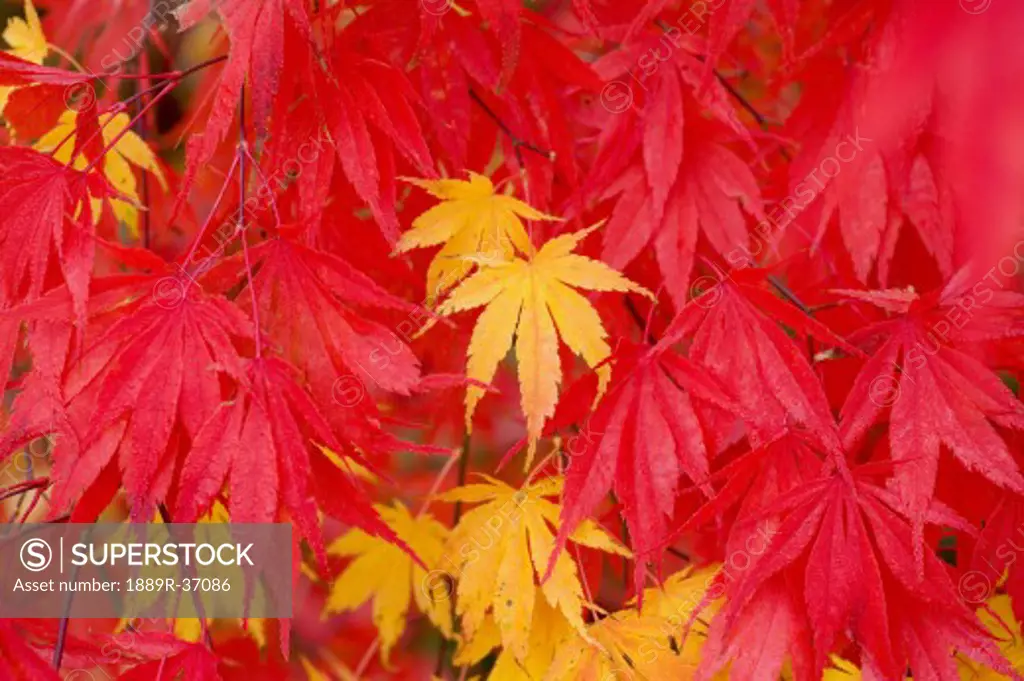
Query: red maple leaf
{"x": 839, "y": 562}
{"x": 933, "y": 396}
{"x": 264, "y": 443}
{"x": 44, "y": 222}
{"x": 646, "y": 436}
{"x": 144, "y": 388}
{"x": 20, "y": 661}
{"x": 256, "y": 29}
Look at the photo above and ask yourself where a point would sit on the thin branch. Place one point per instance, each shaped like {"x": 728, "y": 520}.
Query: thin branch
{"x": 441, "y": 476}
{"x": 142, "y": 129}
{"x": 62, "y": 634}
{"x": 788, "y": 294}
{"x": 240, "y": 227}
{"x": 463, "y": 469}
{"x": 36, "y": 498}
{"x": 640, "y": 322}
{"x": 443, "y": 650}
{"x": 167, "y": 75}
{"x": 516, "y": 140}
{"x": 762, "y": 121}
{"x": 678, "y": 554}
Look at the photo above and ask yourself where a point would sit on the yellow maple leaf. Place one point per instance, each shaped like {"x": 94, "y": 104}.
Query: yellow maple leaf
{"x": 499, "y": 547}
{"x": 548, "y": 629}
{"x": 625, "y": 645}
{"x": 647, "y": 645}
{"x": 537, "y": 302}
{"x": 312, "y": 673}
{"x": 129, "y": 150}
{"x": 840, "y": 670}
{"x": 844, "y": 670}
{"x": 997, "y": 616}
{"x": 349, "y": 466}
{"x": 475, "y": 224}
{"x": 679, "y": 595}
{"x": 387, "y": 574}
{"x": 27, "y": 41}
{"x": 25, "y": 36}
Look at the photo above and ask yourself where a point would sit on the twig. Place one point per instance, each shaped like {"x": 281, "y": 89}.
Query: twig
{"x": 62, "y": 633}
{"x": 442, "y": 652}
{"x": 62, "y": 629}
{"x": 36, "y": 498}
{"x": 678, "y": 554}
{"x": 638, "y": 318}
{"x": 167, "y": 75}
{"x": 143, "y": 131}
{"x": 463, "y": 469}
{"x": 788, "y": 294}
{"x": 113, "y": 143}
{"x": 213, "y": 212}
{"x": 516, "y": 140}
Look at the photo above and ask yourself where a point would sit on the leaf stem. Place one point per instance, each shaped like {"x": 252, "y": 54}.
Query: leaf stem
{"x": 240, "y": 227}
{"x": 213, "y": 211}
{"x": 168, "y": 81}
{"x": 71, "y": 60}
{"x": 266, "y": 183}
{"x": 458, "y": 455}
{"x": 23, "y": 487}
{"x": 167, "y": 75}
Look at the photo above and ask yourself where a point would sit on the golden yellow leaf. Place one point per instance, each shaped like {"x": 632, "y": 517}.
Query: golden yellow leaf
{"x": 547, "y": 630}
{"x": 27, "y": 41}
{"x": 844, "y": 670}
{"x": 349, "y": 466}
{"x": 841, "y": 670}
{"x": 312, "y": 673}
{"x": 536, "y": 301}
{"x": 25, "y": 36}
{"x": 475, "y": 224}
{"x": 646, "y": 645}
{"x": 500, "y": 547}
{"x": 387, "y": 574}
{"x": 997, "y": 616}
{"x": 680, "y": 594}
{"x": 623, "y": 646}
{"x": 129, "y": 150}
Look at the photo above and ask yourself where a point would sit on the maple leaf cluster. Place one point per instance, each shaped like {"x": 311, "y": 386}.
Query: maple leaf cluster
{"x": 603, "y": 339}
